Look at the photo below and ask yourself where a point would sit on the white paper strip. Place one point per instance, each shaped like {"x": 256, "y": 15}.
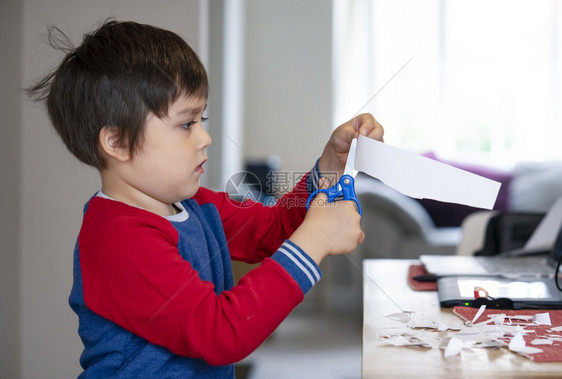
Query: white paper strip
{"x": 421, "y": 177}
{"x": 479, "y": 313}
{"x": 541, "y": 341}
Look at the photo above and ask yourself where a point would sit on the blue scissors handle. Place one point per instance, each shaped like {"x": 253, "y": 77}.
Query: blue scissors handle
{"x": 345, "y": 187}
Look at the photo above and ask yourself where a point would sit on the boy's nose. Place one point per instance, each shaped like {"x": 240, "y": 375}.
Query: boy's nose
{"x": 205, "y": 139}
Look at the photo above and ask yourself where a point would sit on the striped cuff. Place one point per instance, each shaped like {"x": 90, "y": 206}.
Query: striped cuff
{"x": 298, "y": 264}
{"x": 313, "y": 178}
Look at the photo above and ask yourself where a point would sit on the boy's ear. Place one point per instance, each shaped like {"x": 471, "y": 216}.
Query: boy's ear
{"x": 111, "y": 145}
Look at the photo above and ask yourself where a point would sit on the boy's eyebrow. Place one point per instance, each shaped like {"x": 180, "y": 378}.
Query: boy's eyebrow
{"x": 190, "y": 110}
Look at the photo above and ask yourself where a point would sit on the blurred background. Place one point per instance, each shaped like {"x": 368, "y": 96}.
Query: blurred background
{"x": 476, "y": 84}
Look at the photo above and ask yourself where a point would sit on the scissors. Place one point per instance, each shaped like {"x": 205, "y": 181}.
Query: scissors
{"x": 345, "y": 187}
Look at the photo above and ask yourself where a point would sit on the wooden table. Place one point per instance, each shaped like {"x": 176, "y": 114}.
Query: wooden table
{"x": 385, "y": 291}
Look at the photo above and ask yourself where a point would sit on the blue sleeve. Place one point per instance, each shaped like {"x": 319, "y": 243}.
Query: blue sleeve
{"x": 298, "y": 264}
{"x": 312, "y": 179}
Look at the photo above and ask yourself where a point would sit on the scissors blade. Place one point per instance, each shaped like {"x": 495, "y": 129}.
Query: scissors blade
{"x": 349, "y": 170}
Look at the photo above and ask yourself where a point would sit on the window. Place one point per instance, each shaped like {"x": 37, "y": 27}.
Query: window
{"x": 484, "y": 84}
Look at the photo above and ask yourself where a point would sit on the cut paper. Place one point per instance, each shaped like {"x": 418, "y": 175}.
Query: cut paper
{"x": 541, "y": 341}
{"x": 441, "y": 326}
{"x": 498, "y": 319}
{"x": 423, "y": 178}
{"x": 438, "y": 325}
{"x": 400, "y": 316}
{"x": 542, "y": 319}
{"x": 409, "y": 339}
{"x": 536, "y": 319}
{"x": 518, "y": 331}
{"x": 517, "y": 344}
{"x": 519, "y": 324}
{"x": 479, "y": 313}
{"x": 454, "y": 347}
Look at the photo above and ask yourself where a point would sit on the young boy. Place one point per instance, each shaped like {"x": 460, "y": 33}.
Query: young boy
{"x": 153, "y": 287}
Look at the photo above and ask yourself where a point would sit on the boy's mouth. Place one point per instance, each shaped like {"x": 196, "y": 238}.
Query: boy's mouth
{"x": 200, "y": 168}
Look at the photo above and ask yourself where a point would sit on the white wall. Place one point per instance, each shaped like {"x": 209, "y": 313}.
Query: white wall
{"x": 286, "y": 96}
{"x": 10, "y": 148}
{"x": 288, "y": 84}
{"x": 54, "y": 186}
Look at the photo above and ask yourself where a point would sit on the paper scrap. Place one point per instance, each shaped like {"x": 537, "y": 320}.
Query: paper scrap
{"x": 497, "y": 331}
{"x": 541, "y": 341}
{"x": 520, "y": 317}
{"x": 441, "y": 326}
{"x": 542, "y": 318}
{"x": 438, "y": 325}
{"x": 479, "y": 313}
{"x": 400, "y": 316}
{"x": 517, "y": 344}
{"x": 406, "y": 339}
{"x": 454, "y": 347}
{"x": 397, "y": 341}
{"x": 498, "y": 319}
{"x": 421, "y": 177}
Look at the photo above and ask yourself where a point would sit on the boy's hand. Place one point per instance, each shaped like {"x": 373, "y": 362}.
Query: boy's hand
{"x": 334, "y": 155}
{"x": 329, "y": 228}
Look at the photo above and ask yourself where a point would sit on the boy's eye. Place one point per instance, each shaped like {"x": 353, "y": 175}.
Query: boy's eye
{"x": 187, "y": 125}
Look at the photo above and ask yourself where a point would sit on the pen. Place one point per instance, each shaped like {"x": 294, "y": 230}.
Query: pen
{"x": 426, "y": 278}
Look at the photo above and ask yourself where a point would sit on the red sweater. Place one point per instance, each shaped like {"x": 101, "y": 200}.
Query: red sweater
{"x": 170, "y": 282}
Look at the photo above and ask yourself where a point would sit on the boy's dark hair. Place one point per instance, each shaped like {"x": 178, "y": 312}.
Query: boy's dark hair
{"x": 118, "y": 75}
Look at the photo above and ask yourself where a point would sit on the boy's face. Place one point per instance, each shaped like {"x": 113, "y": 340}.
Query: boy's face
{"x": 168, "y": 166}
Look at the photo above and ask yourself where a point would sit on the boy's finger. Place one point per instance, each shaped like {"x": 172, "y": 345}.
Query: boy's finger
{"x": 323, "y": 183}
{"x": 320, "y": 199}
{"x": 354, "y": 205}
